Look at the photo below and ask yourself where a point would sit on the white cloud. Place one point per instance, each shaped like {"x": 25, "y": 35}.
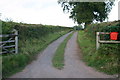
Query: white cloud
{"x": 35, "y": 11}
{"x": 119, "y": 10}
{"x": 114, "y": 12}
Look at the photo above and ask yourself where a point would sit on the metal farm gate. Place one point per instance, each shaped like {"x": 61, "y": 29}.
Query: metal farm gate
{"x": 11, "y": 44}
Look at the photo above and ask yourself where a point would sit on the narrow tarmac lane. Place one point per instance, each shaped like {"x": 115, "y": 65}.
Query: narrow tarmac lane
{"x": 74, "y": 67}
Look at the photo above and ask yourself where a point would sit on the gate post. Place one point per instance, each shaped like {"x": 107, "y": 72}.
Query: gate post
{"x": 16, "y": 40}
{"x": 97, "y": 40}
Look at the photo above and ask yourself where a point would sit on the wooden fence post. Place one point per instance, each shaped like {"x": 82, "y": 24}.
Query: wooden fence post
{"x": 16, "y": 41}
{"x": 97, "y": 40}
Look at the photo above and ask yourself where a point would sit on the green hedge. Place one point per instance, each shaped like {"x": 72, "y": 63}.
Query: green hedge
{"x": 103, "y": 27}
{"x": 111, "y": 29}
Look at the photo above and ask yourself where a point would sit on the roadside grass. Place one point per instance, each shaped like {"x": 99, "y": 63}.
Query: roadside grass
{"x": 0, "y": 67}
{"x": 13, "y": 63}
{"x": 58, "y": 59}
{"x": 104, "y": 59}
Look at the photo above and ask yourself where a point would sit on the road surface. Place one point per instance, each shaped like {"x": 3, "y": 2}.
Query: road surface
{"x": 74, "y": 66}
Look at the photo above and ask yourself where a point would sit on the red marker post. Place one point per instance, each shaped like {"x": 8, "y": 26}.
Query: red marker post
{"x": 113, "y": 35}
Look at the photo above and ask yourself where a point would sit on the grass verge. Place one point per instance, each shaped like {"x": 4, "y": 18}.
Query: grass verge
{"x": 58, "y": 59}
{"x": 15, "y": 63}
{"x": 103, "y": 59}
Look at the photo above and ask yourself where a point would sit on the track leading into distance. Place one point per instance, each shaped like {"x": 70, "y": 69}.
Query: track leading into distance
{"x": 74, "y": 66}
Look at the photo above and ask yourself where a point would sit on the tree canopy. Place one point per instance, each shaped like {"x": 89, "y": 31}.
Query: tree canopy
{"x": 87, "y": 12}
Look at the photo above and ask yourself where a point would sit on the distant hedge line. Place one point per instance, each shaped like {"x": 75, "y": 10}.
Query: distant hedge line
{"x": 33, "y": 29}
{"x": 38, "y": 31}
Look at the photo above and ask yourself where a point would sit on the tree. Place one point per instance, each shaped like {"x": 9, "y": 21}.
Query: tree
{"x": 79, "y": 27}
{"x": 87, "y": 12}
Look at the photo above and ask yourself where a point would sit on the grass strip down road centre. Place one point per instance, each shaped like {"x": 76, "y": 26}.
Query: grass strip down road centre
{"x": 58, "y": 59}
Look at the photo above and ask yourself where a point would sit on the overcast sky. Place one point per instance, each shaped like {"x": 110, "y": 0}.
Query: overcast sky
{"x": 41, "y": 12}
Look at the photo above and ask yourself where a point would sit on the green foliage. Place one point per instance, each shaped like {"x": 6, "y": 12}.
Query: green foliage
{"x": 109, "y": 49}
{"x": 78, "y": 27}
{"x": 87, "y": 12}
{"x": 102, "y": 27}
{"x": 111, "y": 29}
{"x": 7, "y": 27}
{"x": 37, "y": 31}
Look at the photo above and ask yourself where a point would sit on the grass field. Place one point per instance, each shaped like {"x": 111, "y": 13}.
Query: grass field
{"x": 58, "y": 59}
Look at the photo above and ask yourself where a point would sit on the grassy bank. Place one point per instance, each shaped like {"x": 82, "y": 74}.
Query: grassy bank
{"x": 58, "y": 59}
{"x": 32, "y": 39}
{"x": 104, "y": 60}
